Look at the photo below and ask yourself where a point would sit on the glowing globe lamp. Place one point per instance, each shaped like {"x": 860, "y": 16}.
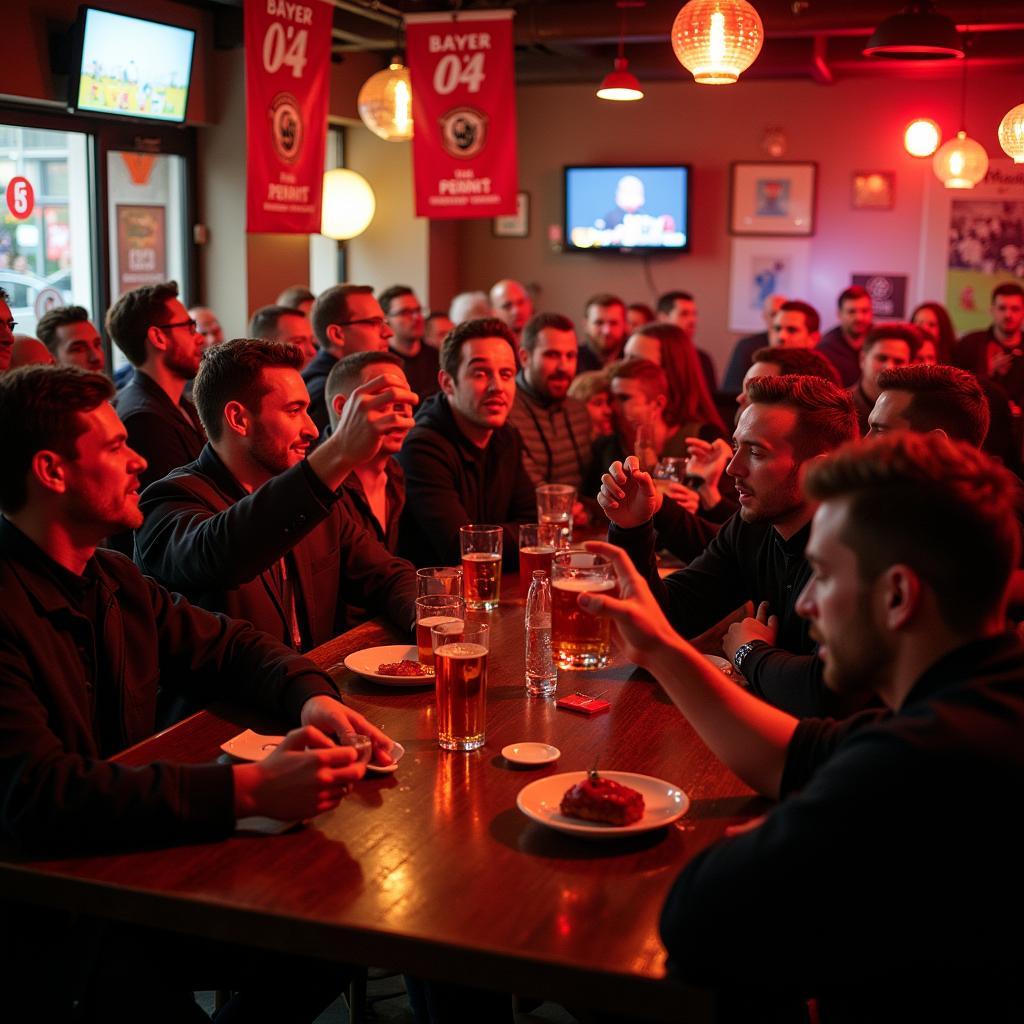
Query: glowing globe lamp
{"x": 717, "y": 40}
{"x": 961, "y": 162}
{"x": 348, "y": 204}
{"x": 385, "y": 103}
{"x": 1011, "y": 134}
{"x": 922, "y": 137}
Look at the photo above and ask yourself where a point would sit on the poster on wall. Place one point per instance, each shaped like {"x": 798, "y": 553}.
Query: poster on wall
{"x": 762, "y": 267}
{"x": 463, "y": 107}
{"x": 287, "y": 89}
{"x": 888, "y": 294}
{"x": 141, "y": 246}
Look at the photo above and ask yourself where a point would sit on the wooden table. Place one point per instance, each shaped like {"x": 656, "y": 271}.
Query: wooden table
{"x": 433, "y": 870}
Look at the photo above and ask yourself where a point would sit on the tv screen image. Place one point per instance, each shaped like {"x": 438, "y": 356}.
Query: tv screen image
{"x": 627, "y": 207}
{"x": 134, "y": 68}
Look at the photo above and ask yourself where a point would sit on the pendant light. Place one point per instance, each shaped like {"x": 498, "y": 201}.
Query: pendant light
{"x": 348, "y": 204}
{"x": 1011, "y": 133}
{"x": 621, "y": 84}
{"x": 922, "y": 137}
{"x": 918, "y": 32}
{"x": 717, "y": 40}
{"x": 385, "y": 103}
{"x": 961, "y": 162}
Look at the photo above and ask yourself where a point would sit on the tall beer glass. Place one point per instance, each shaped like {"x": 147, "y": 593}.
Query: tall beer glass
{"x": 537, "y": 543}
{"x": 439, "y": 579}
{"x": 554, "y": 505}
{"x": 481, "y": 566}
{"x": 580, "y": 640}
{"x": 460, "y": 664}
{"x": 435, "y": 610}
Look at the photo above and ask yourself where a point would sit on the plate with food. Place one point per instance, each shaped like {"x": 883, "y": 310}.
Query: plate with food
{"x": 395, "y": 665}
{"x": 602, "y": 804}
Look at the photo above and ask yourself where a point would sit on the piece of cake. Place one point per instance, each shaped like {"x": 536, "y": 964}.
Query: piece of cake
{"x": 604, "y": 800}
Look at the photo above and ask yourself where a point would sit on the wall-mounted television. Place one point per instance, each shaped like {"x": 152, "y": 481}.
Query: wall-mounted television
{"x": 130, "y": 67}
{"x": 627, "y": 208}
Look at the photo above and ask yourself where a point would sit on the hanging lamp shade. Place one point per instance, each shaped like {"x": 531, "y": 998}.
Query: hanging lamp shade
{"x": 961, "y": 162}
{"x": 922, "y": 137}
{"x": 348, "y": 204}
{"x": 1011, "y": 133}
{"x": 717, "y": 40}
{"x": 918, "y": 32}
{"x": 620, "y": 84}
{"x": 385, "y": 103}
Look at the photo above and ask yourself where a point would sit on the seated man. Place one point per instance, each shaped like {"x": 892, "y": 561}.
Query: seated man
{"x": 86, "y": 641}
{"x": 841, "y": 346}
{"x": 71, "y": 338}
{"x": 511, "y": 304}
{"x": 758, "y": 555}
{"x": 285, "y": 324}
{"x": 744, "y": 349}
{"x": 29, "y": 351}
{"x": 555, "y": 428}
{"x": 604, "y": 325}
{"x": 207, "y": 325}
{"x": 780, "y": 362}
{"x": 795, "y": 324}
{"x": 297, "y": 296}
{"x": 405, "y": 318}
{"x": 886, "y": 347}
{"x": 855, "y": 890}
{"x": 374, "y": 492}
{"x": 463, "y": 460}
{"x": 252, "y": 527}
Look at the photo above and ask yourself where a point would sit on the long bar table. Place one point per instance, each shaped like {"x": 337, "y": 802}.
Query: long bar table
{"x": 433, "y": 870}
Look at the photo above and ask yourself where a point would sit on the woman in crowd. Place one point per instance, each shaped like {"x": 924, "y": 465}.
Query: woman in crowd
{"x": 937, "y": 334}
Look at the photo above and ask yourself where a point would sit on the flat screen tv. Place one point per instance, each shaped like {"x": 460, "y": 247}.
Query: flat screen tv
{"x": 130, "y": 67}
{"x": 627, "y": 209}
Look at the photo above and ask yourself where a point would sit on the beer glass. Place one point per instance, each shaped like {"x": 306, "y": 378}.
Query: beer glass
{"x": 537, "y": 543}
{"x": 481, "y": 566}
{"x": 669, "y": 471}
{"x": 554, "y": 505}
{"x": 439, "y": 579}
{"x": 580, "y": 640}
{"x": 433, "y": 610}
{"x": 460, "y": 663}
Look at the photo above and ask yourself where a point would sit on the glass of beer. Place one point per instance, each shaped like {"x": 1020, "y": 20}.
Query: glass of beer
{"x": 669, "y": 471}
{"x": 439, "y": 579}
{"x": 481, "y": 566}
{"x": 537, "y": 543}
{"x": 580, "y": 640}
{"x": 460, "y": 660}
{"x": 554, "y": 505}
{"x": 434, "y": 610}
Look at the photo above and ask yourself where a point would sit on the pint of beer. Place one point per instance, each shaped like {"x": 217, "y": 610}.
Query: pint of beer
{"x": 580, "y": 640}
{"x": 434, "y": 610}
{"x": 481, "y": 566}
{"x": 460, "y": 663}
{"x": 554, "y": 505}
{"x": 537, "y": 544}
{"x": 439, "y": 579}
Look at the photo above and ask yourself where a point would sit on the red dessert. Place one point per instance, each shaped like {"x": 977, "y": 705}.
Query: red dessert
{"x": 598, "y": 799}
{"x": 404, "y": 668}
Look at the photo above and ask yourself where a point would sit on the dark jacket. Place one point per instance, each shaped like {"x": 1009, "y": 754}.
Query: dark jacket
{"x": 354, "y": 498}
{"x": 741, "y": 360}
{"x": 841, "y": 354}
{"x": 450, "y": 482}
{"x": 421, "y": 370}
{"x": 315, "y": 375}
{"x": 205, "y": 537}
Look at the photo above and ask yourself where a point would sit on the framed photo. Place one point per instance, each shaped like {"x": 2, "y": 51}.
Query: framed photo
{"x": 772, "y": 198}
{"x": 873, "y": 190}
{"x": 760, "y": 267}
{"x": 514, "y": 225}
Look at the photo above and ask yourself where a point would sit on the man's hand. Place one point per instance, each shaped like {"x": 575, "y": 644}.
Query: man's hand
{"x": 682, "y": 495}
{"x": 708, "y": 461}
{"x": 762, "y": 627}
{"x": 628, "y": 495}
{"x": 306, "y": 775}
{"x": 335, "y": 719}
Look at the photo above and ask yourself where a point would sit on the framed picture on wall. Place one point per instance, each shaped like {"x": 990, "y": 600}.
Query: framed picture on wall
{"x": 774, "y": 198}
{"x": 514, "y": 225}
{"x": 760, "y": 267}
{"x": 873, "y": 190}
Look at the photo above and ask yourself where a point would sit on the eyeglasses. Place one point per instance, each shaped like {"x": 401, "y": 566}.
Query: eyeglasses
{"x": 373, "y": 321}
{"x": 190, "y": 324}
{"x": 415, "y": 311}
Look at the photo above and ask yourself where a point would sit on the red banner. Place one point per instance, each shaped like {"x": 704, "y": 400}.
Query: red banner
{"x": 287, "y": 87}
{"x": 464, "y": 112}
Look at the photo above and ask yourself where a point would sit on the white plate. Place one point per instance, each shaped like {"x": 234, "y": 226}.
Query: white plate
{"x": 364, "y": 663}
{"x": 663, "y": 804}
{"x": 251, "y": 746}
{"x": 530, "y": 753}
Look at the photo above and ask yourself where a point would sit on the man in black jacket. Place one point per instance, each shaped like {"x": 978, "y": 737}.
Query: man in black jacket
{"x": 886, "y": 884}
{"x": 462, "y": 460}
{"x": 253, "y": 528}
{"x": 85, "y": 643}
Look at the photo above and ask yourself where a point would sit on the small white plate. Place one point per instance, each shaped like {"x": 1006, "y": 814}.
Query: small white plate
{"x": 530, "y": 753}
{"x": 663, "y": 803}
{"x": 364, "y": 663}
{"x": 251, "y": 746}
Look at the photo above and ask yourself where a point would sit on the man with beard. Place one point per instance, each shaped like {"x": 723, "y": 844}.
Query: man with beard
{"x": 555, "y": 428}
{"x": 256, "y": 530}
{"x": 154, "y": 331}
{"x": 858, "y": 890}
{"x": 71, "y": 338}
{"x": 841, "y": 346}
{"x": 758, "y": 555}
{"x": 604, "y": 326}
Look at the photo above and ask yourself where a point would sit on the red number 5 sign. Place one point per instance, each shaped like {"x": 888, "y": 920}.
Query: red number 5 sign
{"x": 21, "y": 199}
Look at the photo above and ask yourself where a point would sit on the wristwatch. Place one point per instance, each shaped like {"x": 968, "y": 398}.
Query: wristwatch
{"x": 741, "y": 653}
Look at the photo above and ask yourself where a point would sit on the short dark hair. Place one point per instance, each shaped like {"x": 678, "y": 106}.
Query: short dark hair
{"x": 233, "y": 372}
{"x": 541, "y": 322}
{"x": 331, "y": 307}
{"x": 130, "y": 318}
{"x": 1007, "y": 288}
{"x": 803, "y": 362}
{"x": 39, "y": 411}
{"x": 4, "y": 296}
{"x": 59, "y": 316}
{"x": 265, "y": 320}
{"x": 941, "y": 398}
{"x": 295, "y": 296}
{"x": 603, "y": 299}
{"x": 667, "y": 302}
{"x": 589, "y": 383}
{"x": 643, "y": 309}
{"x": 855, "y": 291}
{"x": 826, "y": 417}
{"x": 470, "y": 330}
{"x": 943, "y": 508}
{"x": 345, "y": 373}
{"x": 811, "y": 316}
{"x": 649, "y": 375}
{"x": 396, "y": 291}
{"x": 893, "y": 331}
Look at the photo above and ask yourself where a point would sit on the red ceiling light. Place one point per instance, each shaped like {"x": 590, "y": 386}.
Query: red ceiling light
{"x": 918, "y": 32}
{"x": 621, "y": 84}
